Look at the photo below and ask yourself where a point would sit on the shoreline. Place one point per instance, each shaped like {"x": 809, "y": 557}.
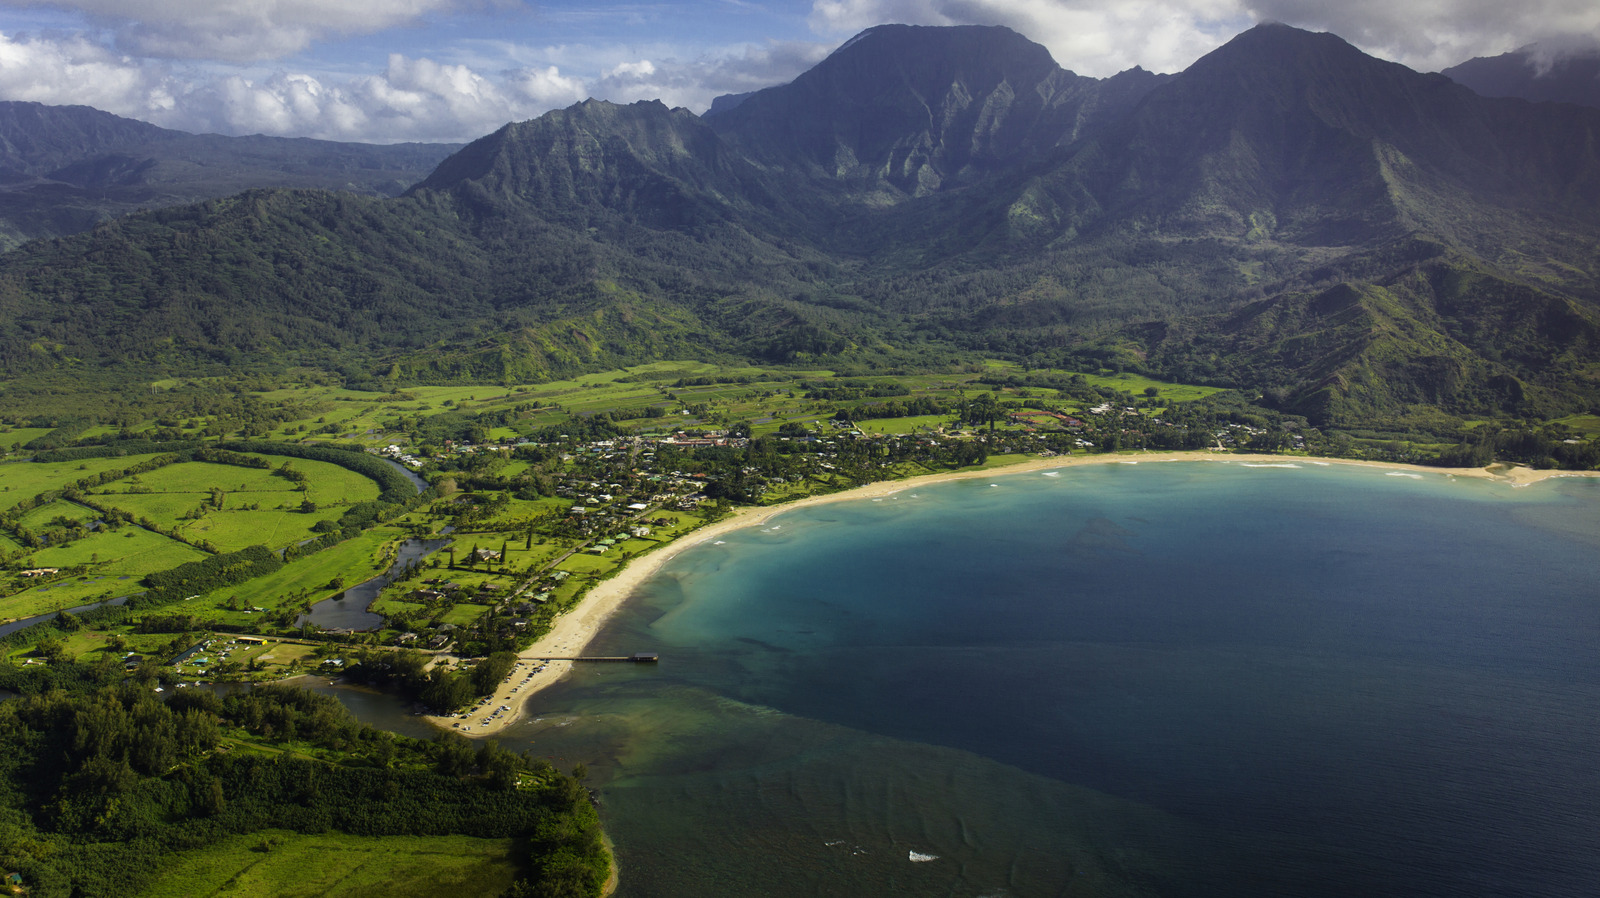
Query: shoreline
{"x": 573, "y": 631}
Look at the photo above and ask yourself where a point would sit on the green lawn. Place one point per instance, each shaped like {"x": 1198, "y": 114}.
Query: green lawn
{"x": 464, "y": 614}
{"x": 586, "y": 563}
{"x": 903, "y": 425}
{"x": 279, "y": 864}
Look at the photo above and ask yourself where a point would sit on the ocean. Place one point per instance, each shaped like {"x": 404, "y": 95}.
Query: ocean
{"x": 1176, "y": 679}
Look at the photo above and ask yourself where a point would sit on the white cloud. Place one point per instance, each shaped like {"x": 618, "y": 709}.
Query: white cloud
{"x": 78, "y": 71}
{"x": 470, "y": 83}
{"x": 695, "y": 83}
{"x": 644, "y": 68}
{"x": 1090, "y": 37}
{"x": 411, "y": 99}
{"x": 1429, "y": 35}
{"x": 1097, "y": 37}
{"x": 237, "y": 30}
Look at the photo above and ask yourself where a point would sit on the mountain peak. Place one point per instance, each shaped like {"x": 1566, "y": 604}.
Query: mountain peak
{"x": 909, "y": 110}
{"x": 1557, "y": 71}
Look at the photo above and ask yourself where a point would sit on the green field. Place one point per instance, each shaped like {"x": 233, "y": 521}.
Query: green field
{"x": 40, "y": 518}
{"x": 1587, "y": 425}
{"x": 464, "y": 614}
{"x": 130, "y": 553}
{"x": 201, "y": 477}
{"x": 354, "y": 560}
{"x": 905, "y": 425}
{"x": 17, "y": 437}
{"x": 279, "y": 864}
{"x": 326, "y": 483}
{"x": 25, "y": 479}
{"x": 258, "y": 507}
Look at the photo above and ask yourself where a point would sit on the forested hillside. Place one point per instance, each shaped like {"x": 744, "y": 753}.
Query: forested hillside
{"x": 1353, "y": 240}
{"x": 65, "y": 168}
{"x": 106, "y": 789}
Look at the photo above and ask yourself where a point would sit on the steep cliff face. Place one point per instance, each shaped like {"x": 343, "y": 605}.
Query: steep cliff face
{"x": 901, "y": 110}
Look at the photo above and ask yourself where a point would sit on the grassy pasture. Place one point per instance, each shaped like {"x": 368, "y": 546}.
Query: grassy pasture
{"x": 177, "y": 490}
{"x": 40, "y": 517}
{"x": 200, "y": 477}
{"x": 1136, "y": 384}
{"x": 231, "y": 531}
{"x": 336, "y": 865}
{"x": 130, "y": 552}
{"x": 25, "y": 479}
{"x": 355, "y": 560}
{"x": 1588, "y": 425}
{"x": 14, "y": 439}
{"x": 905, "y": 425}
{"x": 463, "y": 614}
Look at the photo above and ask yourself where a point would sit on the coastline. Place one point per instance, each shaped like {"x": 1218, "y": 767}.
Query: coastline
{"x": 574, "y": 630}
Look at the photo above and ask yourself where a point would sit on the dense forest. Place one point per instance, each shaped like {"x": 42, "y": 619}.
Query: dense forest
{"x": 104, "y": 785}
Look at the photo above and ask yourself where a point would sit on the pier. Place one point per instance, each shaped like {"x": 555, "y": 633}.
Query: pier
{"x": 636, "y": 657}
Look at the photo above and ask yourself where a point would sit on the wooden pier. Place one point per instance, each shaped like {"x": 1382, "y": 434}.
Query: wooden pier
{"x": 636, "y": 657}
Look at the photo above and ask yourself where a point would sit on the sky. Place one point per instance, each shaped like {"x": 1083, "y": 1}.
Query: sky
{"x": 452, "y": 70}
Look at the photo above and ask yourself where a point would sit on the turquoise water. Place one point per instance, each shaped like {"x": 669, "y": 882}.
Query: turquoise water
{"x": 1190, "y": 679}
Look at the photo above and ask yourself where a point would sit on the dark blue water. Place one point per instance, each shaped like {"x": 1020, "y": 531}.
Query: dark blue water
{"x": 1186, "y": 679}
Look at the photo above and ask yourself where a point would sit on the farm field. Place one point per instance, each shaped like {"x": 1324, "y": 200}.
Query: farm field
{"x": 302, "y": 580}
{"x": 257, "y": 507}
{"x": 21, "y": 480}
{"x": 280, "y": 864}
{"x": 910, "y": 424}
{"x": 15, "y": 438}
{"x": 115, "y": 561}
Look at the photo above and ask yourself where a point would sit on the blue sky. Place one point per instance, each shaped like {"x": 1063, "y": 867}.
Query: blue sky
{"x": 389, "y": 70}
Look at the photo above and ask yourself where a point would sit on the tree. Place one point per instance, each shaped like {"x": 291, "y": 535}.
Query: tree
{"x": 53, "y": 650}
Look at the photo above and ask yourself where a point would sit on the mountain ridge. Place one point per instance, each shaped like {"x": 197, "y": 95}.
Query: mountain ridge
{"x": 65, "y": 168}
{"x": 952, "y": 190}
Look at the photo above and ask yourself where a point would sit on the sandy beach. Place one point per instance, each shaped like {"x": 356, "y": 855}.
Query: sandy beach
{"x": 573, "y": 630}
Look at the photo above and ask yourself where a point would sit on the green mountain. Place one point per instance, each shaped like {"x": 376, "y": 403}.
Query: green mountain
{"x": 65, "y": 168}
{"x": 1356, "y": 240}
{"x": 1543, "y": 73}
